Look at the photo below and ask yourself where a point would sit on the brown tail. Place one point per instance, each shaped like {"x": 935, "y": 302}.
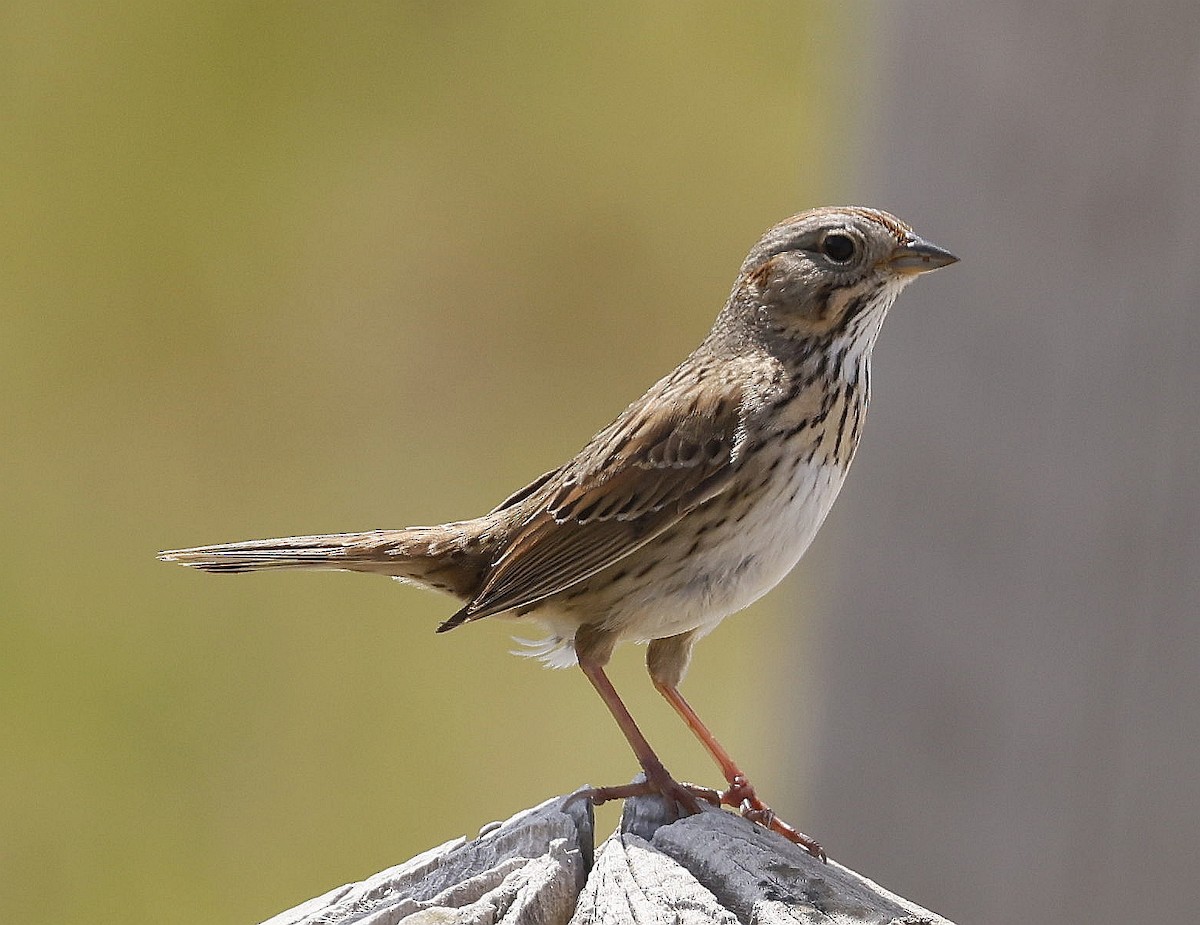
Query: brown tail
{"x": 446, "y": 558}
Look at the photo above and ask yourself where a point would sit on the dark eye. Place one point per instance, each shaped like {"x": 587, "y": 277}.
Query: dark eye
{"x": 839, "y": 248}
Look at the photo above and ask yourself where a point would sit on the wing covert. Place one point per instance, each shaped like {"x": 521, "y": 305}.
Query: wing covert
{"x": 654, "y": 464}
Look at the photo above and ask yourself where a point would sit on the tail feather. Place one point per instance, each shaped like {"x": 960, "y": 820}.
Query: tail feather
{"x": 444, "y": 558}
{"x": 332, "y": 551}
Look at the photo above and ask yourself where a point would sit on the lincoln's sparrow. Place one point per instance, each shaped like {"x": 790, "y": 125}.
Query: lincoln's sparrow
{"x": 698, "y": 499}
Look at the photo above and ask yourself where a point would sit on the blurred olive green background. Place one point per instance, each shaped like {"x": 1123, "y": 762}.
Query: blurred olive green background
{"x": 287, "y": 268}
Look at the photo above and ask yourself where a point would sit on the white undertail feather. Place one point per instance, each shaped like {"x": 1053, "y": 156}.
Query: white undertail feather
{"x": 553, "y": 651}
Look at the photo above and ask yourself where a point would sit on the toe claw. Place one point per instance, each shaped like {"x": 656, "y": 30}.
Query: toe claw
{"x": 741, "y": 796}
{"x": 685, "y": 798}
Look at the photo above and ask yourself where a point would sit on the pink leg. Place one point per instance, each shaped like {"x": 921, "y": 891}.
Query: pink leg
{"x": 740, "y": 793}
{"x": 657, "y": 779}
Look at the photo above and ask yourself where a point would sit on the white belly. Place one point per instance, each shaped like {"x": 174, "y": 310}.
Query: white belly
{"x": 745, "y": 564}
{"x": 718, "y": 579}
{"x": 753, "y": 560}
{"x": 773, "y": 539}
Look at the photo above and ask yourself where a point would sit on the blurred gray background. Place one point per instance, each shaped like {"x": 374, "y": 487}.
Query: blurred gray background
{"x": 1010, "y": 705}
{"x": 281, "y": 268}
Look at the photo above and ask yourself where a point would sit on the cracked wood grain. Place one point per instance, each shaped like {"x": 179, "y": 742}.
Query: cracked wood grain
{"x": 537, "y": 868}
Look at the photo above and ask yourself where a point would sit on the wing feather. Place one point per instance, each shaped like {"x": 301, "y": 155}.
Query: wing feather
{"x": 666, "y": 455}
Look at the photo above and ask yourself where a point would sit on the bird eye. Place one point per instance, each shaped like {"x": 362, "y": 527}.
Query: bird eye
{"x": 840, "y": 248}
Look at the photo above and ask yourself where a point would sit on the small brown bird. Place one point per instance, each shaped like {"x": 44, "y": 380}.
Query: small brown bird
{"x": 693, "y": 503}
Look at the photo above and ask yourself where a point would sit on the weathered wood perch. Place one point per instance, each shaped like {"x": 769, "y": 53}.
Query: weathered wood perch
{"x": 538, "y": 869}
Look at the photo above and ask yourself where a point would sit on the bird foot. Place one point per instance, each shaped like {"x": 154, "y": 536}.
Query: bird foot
{"x": 684, "y": 797}
{"x": 742, "y": 797}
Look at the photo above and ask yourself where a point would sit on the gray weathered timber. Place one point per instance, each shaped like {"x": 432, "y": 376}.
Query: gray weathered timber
{"x": 528, "y": 869}
{"x": 537, "y": 869}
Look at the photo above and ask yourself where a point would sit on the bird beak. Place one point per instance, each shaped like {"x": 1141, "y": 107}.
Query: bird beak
{"x": 916, "y": 255}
